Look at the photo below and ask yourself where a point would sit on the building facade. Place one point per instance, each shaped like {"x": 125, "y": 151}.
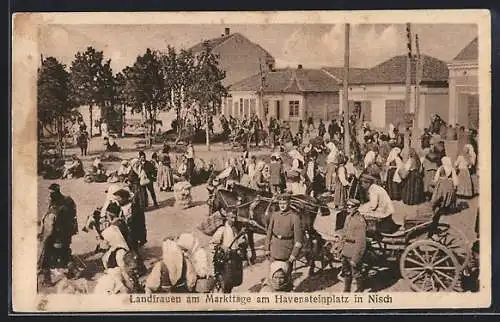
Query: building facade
{"x": 285, "y": 94}
{"x": 381, "y": 92}
{"x": 238, "y": 56}
{"x": 463, "y": 87}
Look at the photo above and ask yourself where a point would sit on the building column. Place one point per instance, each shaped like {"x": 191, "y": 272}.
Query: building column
{"x": 452, "y": 94}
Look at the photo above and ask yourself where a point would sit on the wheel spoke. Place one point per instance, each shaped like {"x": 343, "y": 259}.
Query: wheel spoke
{"x": 418, "y": 276}
{"x": 445, "y": 275}
{"x": 414, "y": 268}
{"x": 419, "y": 256}
{"x": 439, "y": 280}
{"x": 448, "y": 268}
{"x": 411, "y": 260}
{"x": 441, "y": 260}
{"x": 433, "y": 284}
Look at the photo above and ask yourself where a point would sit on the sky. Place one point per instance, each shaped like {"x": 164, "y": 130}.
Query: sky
{"x": 312, "y": 45}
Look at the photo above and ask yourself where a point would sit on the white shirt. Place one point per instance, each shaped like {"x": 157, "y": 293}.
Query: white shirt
{"x": 380, "y": 204}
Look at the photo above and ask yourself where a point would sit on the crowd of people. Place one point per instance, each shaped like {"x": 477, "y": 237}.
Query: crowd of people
{"x": 382, "y": 168}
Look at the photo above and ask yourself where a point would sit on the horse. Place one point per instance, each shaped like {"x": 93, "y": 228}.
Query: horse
{"x": 253, "y": 209}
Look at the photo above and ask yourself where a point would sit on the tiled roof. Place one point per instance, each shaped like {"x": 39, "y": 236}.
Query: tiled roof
{"x": 211, "y": 42}
{"x": 338, "y": 72}
{"x": 290, "y": 81}
{"x": 470, "y": 52}
{"x": 393, "y": 71}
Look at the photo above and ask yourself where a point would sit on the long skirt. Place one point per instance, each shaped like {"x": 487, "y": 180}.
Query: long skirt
{"x": 464, "y": 188}
{"x": 412, "y": 192}
{"x": 340, "y": 196}
{"x": 428, "y": 180}
{"x": 393, "y": 188}
{"x": 329, "y": 179}
{"x": 140, "y": 195}
{"x": 165, "y": 178}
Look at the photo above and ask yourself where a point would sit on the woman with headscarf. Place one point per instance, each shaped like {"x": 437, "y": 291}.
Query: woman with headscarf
{"x": 391, "y": 133}
{"x": 412, "y": 188}
{"x": 122, "y": 267}
{"x": 280, "y": 278}
{"x": 198, "y": 256}
{"x": 295, "y": 184}
{"x": 174, "y": 273}
{"x": 165, "y": 178}
{"x": 341, "y": 182}
{"x": 134, "y": 183}
{"x": 370, "y": 158}
{"x": 134, "y": 217}
{"x": 259, "y": 182}
{"x": 430, "y": 164}
{"x": 444, "y": 195}
{"x": 464, "y": 162}
{"x": 393, "y": 182}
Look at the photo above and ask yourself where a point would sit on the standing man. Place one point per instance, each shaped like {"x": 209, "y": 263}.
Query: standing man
{"x": 354, "y": 246}
{"x": 147, "y": 177}
{"x": 258, "y": 126}
{"x": 190, "y": 162}
{"x": 284, "y": 234}
{"x": 56, "y": 230}
{"x": 83, "y": 140}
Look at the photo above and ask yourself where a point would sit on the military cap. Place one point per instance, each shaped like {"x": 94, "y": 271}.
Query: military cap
{"x": 55, "y": 187}
{"x": 113, "y": 208}
{"x": 284, "y": 197}
{"x": 352, "y": 203}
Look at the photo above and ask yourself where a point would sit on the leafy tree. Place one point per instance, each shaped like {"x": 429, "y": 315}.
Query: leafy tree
{"x": 179, "y": 70}
{"x": 208, "y": 90}
{"x": 145, "y": 87}
{"x": 53, "y": 101}
{"x": 91, "y": 80}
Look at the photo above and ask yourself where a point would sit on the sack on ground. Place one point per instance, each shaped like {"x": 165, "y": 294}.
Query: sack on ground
{"x": 211, "y": 223}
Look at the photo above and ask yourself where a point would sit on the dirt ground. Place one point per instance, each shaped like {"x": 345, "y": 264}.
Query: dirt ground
{"x": 169, "y": 220}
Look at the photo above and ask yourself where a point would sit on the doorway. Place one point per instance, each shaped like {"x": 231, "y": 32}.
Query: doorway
{"x": 278, "y": 110}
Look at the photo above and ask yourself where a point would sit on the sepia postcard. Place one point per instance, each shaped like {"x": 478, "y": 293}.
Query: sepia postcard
{"x": 225, "y": 161}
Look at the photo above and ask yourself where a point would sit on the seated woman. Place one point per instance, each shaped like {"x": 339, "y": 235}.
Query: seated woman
{"x": 74, "y": 169}
{"x": 174, "y": 273}
{"x": 98, "y": 167}
{"x": 280, "y": 278}
{"x": 122, "y": 267}
{"x": 124, "y": 170}
{"x": 198, "y": 256}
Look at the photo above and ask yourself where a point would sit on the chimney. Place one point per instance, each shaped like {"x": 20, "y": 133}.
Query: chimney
{"x": 299, "y": 66}
{"x": 227, "y": 31}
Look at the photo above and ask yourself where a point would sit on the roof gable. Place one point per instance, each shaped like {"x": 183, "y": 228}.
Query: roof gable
{"x": 393, "y": 71}
{"x": 469, "y": 52}
{"x": 289, "y": 81}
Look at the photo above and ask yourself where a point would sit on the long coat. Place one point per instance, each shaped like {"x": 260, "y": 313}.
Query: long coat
{"x": 354, "y": 237}
{"x": 284, "y": 235}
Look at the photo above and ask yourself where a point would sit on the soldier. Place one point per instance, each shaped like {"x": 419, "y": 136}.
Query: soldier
{"x": 56, "y": 230}
{"x": 354, "y": 246}
{"x": 284, "y": 233}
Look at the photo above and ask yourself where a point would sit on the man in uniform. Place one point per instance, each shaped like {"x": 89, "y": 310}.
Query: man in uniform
{"x": 284, "y": 234}
{"x": 56, "y": 230}
{"x": 354, "y": 246}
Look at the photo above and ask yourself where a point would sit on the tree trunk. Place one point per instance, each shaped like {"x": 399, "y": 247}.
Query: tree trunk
{"x": 91, "y": 120}
{"x": 207, "y": 132}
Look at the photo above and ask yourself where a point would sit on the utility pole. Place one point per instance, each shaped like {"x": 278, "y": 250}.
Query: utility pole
{"x": 408, "y": 81}
{"x": 418, "y": 79}
{"x": 346, "y": 89}
{"x": 261, "y": 90}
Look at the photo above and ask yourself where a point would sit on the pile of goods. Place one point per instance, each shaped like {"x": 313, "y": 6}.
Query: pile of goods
{"x": 182, "y": 194}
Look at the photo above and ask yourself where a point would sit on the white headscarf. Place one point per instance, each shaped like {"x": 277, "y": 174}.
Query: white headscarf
{"x": 391, "y": 133}
{"x": 173, "y": 260}
{"x": 472, "y": 155}
{"x": 447, "y": 165}
{"x": 395, "y": 152}
{"x": 197, "y": 254}
{"x": 115, "y": 238}
{"x": 369, "y": 158}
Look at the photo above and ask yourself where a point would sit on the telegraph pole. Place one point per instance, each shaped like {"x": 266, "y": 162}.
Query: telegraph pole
{"x": 418, "y": 79}
{"x": 408, "y": 80}
{"x": 346, "y": 89}
{"x": 261, "y": 91}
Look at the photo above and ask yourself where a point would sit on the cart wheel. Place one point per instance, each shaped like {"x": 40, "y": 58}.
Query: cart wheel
{"x": 455, "y": 240}
{"x": 428, "y": 266}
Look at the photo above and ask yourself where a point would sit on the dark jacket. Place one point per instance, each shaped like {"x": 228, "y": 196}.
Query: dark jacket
{"x": 284, "y": 235}
{"x": 354, "y": 237}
